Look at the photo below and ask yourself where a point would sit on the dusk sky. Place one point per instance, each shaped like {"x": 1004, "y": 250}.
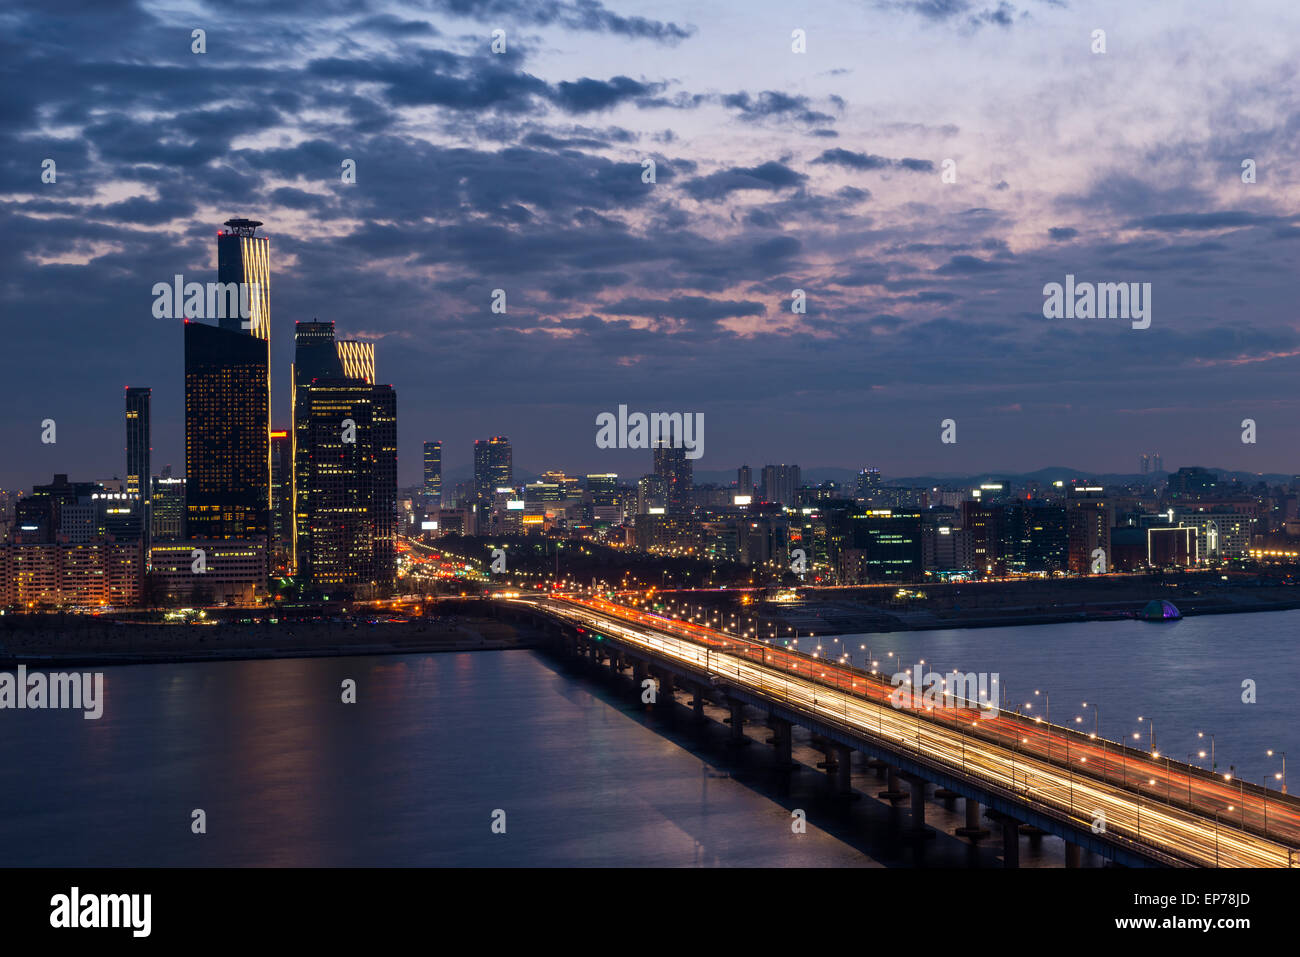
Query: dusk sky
{"x": 776, "y": 171}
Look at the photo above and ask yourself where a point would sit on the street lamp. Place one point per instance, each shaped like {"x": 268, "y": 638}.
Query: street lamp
{"x": 1282, "y": 776}
{"x": 1214, "y": 765}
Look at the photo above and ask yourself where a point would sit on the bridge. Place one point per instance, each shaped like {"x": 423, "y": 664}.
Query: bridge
{"x": 1132, "y": 807}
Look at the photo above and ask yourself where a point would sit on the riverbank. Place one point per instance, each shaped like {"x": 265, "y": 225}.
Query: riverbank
{"x": 95, "y": 643}
{"x": 929, "y": 607}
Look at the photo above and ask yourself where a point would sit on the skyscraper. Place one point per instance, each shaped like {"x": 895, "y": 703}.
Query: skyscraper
{"x": 345, "y": 462}
{"x": 781, "y": 484}
{"x": 745, "y": 481}
{"x": 243, "y": 257}
{"x": 228, "y": 400}
{"x": 433, "y": 472}
{"x": 281, "y": 501}
{"x": 675, "y": 471}
{"x": 138, "y": 448}
{"x": 868, "y": 484}
{"x": 493, "y": 469}
{"x": 227, "y": 434}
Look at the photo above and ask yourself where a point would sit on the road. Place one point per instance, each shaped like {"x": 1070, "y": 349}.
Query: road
{"x": 1040, "y": 762}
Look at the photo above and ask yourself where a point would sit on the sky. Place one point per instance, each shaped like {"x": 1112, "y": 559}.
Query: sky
{"x": 775, "y": 171}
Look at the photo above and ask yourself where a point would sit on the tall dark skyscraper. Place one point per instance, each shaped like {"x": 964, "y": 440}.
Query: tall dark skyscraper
{"x": 345, "y": 462}
{"x": 227, "y": 439}
{"x": 138, "y": 448}
{"x": 744, "y": 480}
{"x": 781, "y": 484}
{"x": 433, "y": 471}
{"x": 281, "y": 502}
{"x": 493, "y": 469}
{"x": 674, "y": 470}
{"x": 228, "y": 400}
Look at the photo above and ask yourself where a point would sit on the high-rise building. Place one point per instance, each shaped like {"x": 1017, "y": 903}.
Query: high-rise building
{"x": 674, "y": 470}
{"x": 281, "y": 556}
{"x": 138, "y": 449}
{"x": 167, "y": 519}
{"x": 745, "y": 481}
{"x": 243, "y": 257}
{"x": 228, "y": 400}
{"x": 884, "y": 545}
{"x": 868, "y": 484}
{"x": 781, "y": 484}
{"x": 137, "y": 440}
{"x": 384, "y": 447}
{"x": 1089, "y": 522}
{"x": 345, "y": 462}
{"x": 227, "y": 435}
{"x": 433, "y": 473}
{"x": 493, "y": 469}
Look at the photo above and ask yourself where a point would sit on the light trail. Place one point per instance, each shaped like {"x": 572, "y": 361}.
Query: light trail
{"x": 861, "y": 704}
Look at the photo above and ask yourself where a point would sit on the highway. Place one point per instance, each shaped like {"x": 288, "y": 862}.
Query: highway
{"x": 1135, "y": 795}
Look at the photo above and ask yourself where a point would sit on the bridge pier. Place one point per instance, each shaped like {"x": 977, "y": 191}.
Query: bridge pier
{"x": 1010, "y": 842}
{"x": 697, "y": 702}
{"x": 783, "y": 739}
{"x": 838, "y": 765}
{"x": 737, "y": 722}
{"x": 665, "y": 699}
{"x": 892, "y": 792}
{"x": 1035, "y": 834}
{"x": 917, "y": 786}
{"x": 1072, "y": 854}
{"x": 639, "y": 673}
{"x": 973, "y": 829}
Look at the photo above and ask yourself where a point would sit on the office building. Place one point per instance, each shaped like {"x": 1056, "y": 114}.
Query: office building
{"x": 868, "y": 484}
{"x": 781, "y": 484}
{"x": 228, "y": 400}
{"x": 745, "y": 482}
{"x": 138, "y": 451}
{"x": 345, "y": 463}
{"x": 493, "y": 469}
{"x": 884, "y": 546}
{"x": 281, "y": 545}
{"x": 433, "y": 473}
{"x": 167, "y": 511}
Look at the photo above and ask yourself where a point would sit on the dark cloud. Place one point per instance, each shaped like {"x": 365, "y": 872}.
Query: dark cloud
{"x": 771, "y": 104}
{"x": 1228, "y": 219}
{"x": 586, "y": 95}
{"x": 587, "y": 15}
{"x": 686, "y": 307}
{"x": 870, "y": 161}
{"x": 769, "y": 176}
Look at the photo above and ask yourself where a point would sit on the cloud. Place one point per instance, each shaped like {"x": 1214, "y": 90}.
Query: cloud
{"x": 870, "y": 161}
{"x": 686, "y": 307}
{"x": 588, "y": 15}
{"x": 769, "y": 176}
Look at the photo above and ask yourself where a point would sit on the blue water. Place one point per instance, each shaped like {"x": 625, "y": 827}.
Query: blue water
{"x": 587, "y": 776}
{"x": 409, "y": 775}
{"x": 1185, "y": 677}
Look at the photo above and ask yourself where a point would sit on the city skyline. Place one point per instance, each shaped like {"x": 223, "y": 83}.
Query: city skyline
{"x": 775, "y": 171}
